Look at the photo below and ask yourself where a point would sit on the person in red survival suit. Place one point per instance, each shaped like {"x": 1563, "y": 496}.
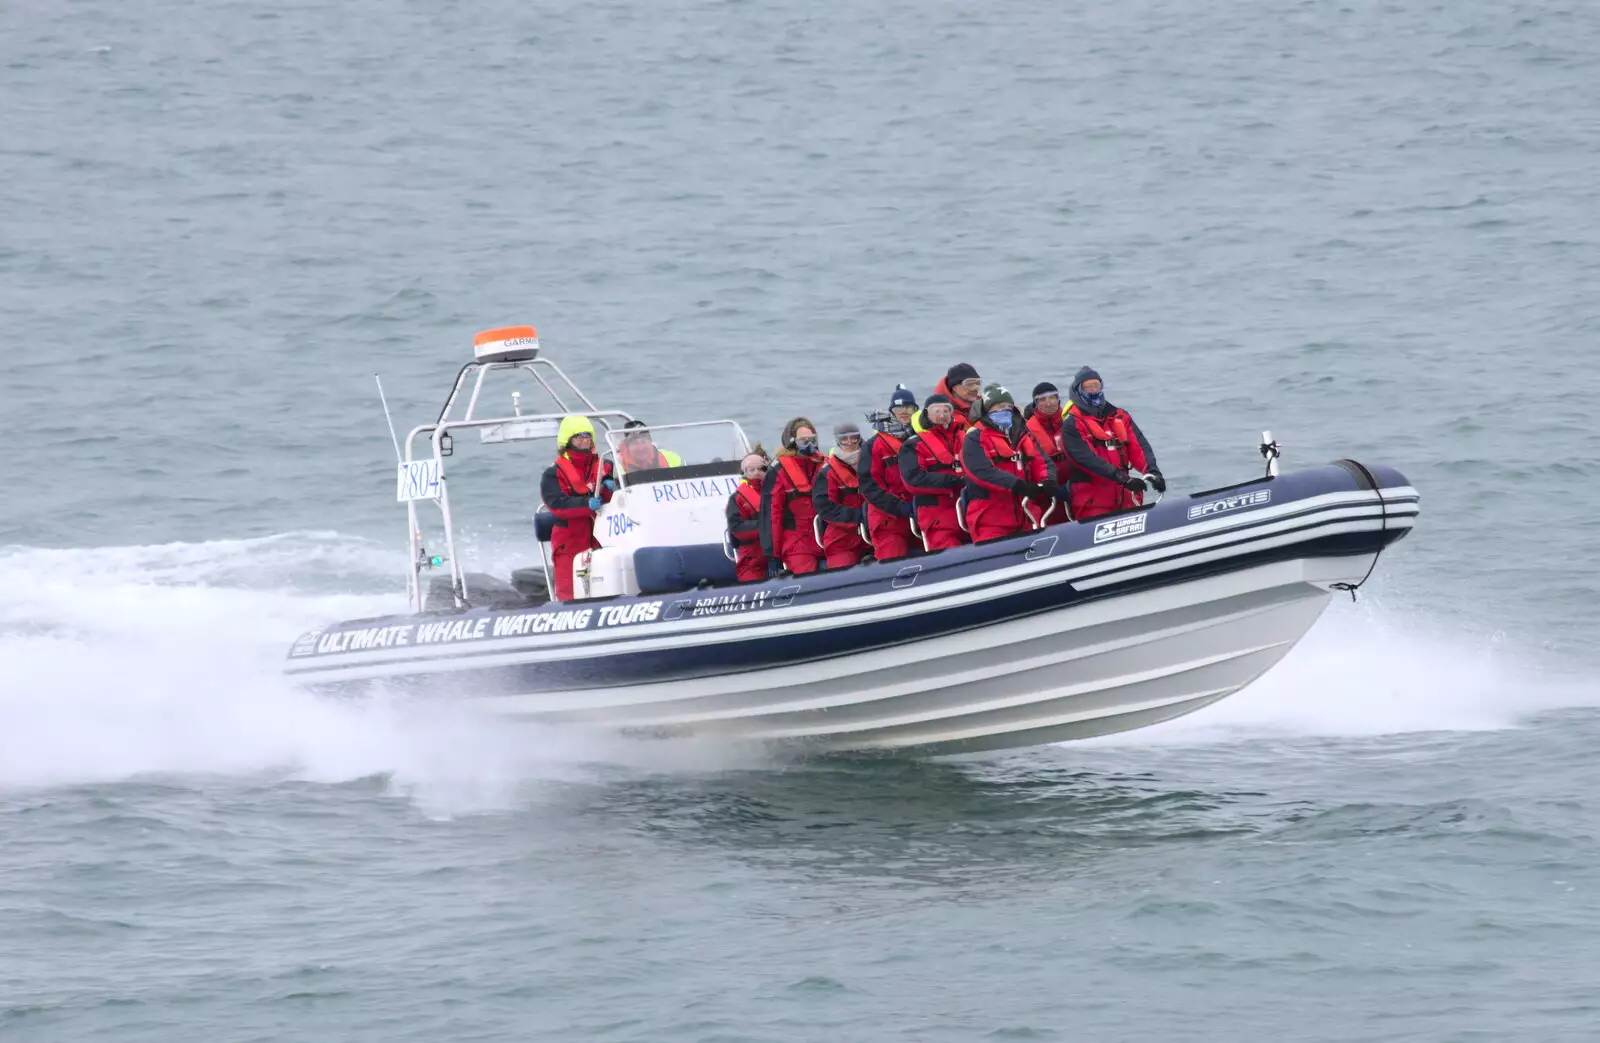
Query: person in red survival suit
{"x": 889, "y": 507}
{"x": 1103, "y": 444}
{"x": 639, "y": 453}
{"x": 1006, "y": 475}
{"x": 836, "y": 497}
{"x": 961, "y": 386}
{"x": 744, "y": 519}
{"x": 576, "y": 486}
{"x": 1044, "y": 417}
{"x": 786, "y": 510}
{"x": 930, "y": 465}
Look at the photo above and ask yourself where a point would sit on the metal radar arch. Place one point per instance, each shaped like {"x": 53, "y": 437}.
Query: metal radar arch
{"x": 422, "y": 476}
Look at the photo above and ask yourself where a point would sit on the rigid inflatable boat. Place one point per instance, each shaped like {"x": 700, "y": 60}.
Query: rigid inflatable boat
{"x": 1064, "y": 632}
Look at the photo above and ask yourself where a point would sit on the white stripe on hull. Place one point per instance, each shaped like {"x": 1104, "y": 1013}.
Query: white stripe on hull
{"x": 1092, "y": 669}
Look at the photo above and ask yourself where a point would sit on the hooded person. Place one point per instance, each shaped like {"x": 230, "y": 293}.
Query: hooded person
{"x": 744, "y": 519}
{"x": 888, "y": 501}
{"x": 836, "y": 497}
{"x": 1003, "y": 471}
{"x": 930, "y": 466}
{"x": 787, "y": 535}
{"x": 1102, "y": 445}
{"x": 638, "y": 450}
{"x": 961, "y": 386}
{"x": 574, "y": 488}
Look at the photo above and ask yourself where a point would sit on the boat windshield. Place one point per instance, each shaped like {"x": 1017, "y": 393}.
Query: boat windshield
{"x": 670, "y": 451}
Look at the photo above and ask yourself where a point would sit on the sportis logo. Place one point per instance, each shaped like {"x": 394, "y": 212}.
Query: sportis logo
{"x": 1230, "y": 503}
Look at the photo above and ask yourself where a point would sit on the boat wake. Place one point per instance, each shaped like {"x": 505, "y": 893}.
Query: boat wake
{"x": 136, "y": 661}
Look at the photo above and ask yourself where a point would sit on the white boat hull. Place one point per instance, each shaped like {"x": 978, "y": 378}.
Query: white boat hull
{"x": 1073, "y": 632}
{"x": 1103, "y": 667}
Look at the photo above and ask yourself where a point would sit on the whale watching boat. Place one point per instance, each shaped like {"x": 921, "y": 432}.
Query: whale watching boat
{"x": 1067, "y": 631}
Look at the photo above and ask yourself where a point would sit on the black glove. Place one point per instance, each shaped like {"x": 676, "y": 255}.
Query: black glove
{"x": 1030, "y": 489}
{"x": 1158, "y": 483}
{"x": 1048, "y": 489}
{"x": 1133, "y": 483}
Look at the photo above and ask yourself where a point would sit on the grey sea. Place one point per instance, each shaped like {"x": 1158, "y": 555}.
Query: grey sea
{"x": 1370, "y": 227}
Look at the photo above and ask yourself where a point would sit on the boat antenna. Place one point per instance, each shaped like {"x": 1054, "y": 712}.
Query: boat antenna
{"x": 392, "y": 436}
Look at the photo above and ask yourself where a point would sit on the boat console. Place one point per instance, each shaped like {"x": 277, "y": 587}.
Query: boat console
{"x": 662, "y": 530}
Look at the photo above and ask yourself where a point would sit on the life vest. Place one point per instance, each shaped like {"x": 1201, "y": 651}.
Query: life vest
{"x": 1108, "y": 436}
{"x": 798, "y": 477}
{"x": 998, "y": 447}
{"x": 797, "y": 511}
{"x": 749, "y": 498}
{"x": 844, "y": 485}
{"x": 1049, "y": 441}
{"x": 573, "y": 480}
{"x": 934, "y": 439}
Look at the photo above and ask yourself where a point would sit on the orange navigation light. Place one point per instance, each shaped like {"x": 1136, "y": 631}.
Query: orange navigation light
{"x": 506, "y": 344}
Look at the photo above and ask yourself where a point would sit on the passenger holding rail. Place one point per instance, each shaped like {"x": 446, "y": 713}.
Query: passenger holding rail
{"x": 1003, "y": 470}
{"x": 786, "y": 509}
{"x": 930, "y": 465}
{"x": 1044, "y": 418}
{"x": 744, "y": 519}
{"x": 574, "y": 488}
{"x": 1103, "y": 445}
{"x": 888, "y": 507}
{"x": 836, "y": 497}
{"x": 639, "y": 452}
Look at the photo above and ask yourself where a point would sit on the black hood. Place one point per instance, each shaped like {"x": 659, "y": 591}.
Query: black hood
{"x": 1076, "y": 391}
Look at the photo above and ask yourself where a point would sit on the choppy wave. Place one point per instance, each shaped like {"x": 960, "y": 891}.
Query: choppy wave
{"x": 130, "y": 661}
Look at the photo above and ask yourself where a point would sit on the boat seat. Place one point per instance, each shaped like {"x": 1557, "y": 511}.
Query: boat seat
{"x": 662, "y": 570}
{"x": 484, "y": 590}
{"x": 530, "y": 584}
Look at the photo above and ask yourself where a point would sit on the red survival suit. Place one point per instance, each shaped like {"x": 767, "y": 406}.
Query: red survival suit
{"x": 744, "y": 526}
{"x": 836, "y": 499}
{"x": 930, "y": 464}
{"x": 1113, "y": 445}
{"x": 888, "y": 500}
{"x": 786, "y": 504}
{"x": 995, "y": 467}
{"x": 1045, "y": 432}
{"x": 566, "y": 488}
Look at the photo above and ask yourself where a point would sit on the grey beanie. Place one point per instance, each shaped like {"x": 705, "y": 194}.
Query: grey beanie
{"x": 849, "y": 427}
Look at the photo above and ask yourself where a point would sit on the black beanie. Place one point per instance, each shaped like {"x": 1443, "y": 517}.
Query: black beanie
{"x": 959, "y": 372}
{"x": 936, "y": 399}
{"x": 1045, "y": 388}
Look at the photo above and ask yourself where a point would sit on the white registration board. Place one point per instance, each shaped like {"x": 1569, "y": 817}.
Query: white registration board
{"x": 418, "y": 480}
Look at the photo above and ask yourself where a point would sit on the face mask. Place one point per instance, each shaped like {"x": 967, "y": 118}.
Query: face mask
{"x": 1095, "y": 400}
{"x": 806, "y": 448}
{"x": 1001, "y": 417}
